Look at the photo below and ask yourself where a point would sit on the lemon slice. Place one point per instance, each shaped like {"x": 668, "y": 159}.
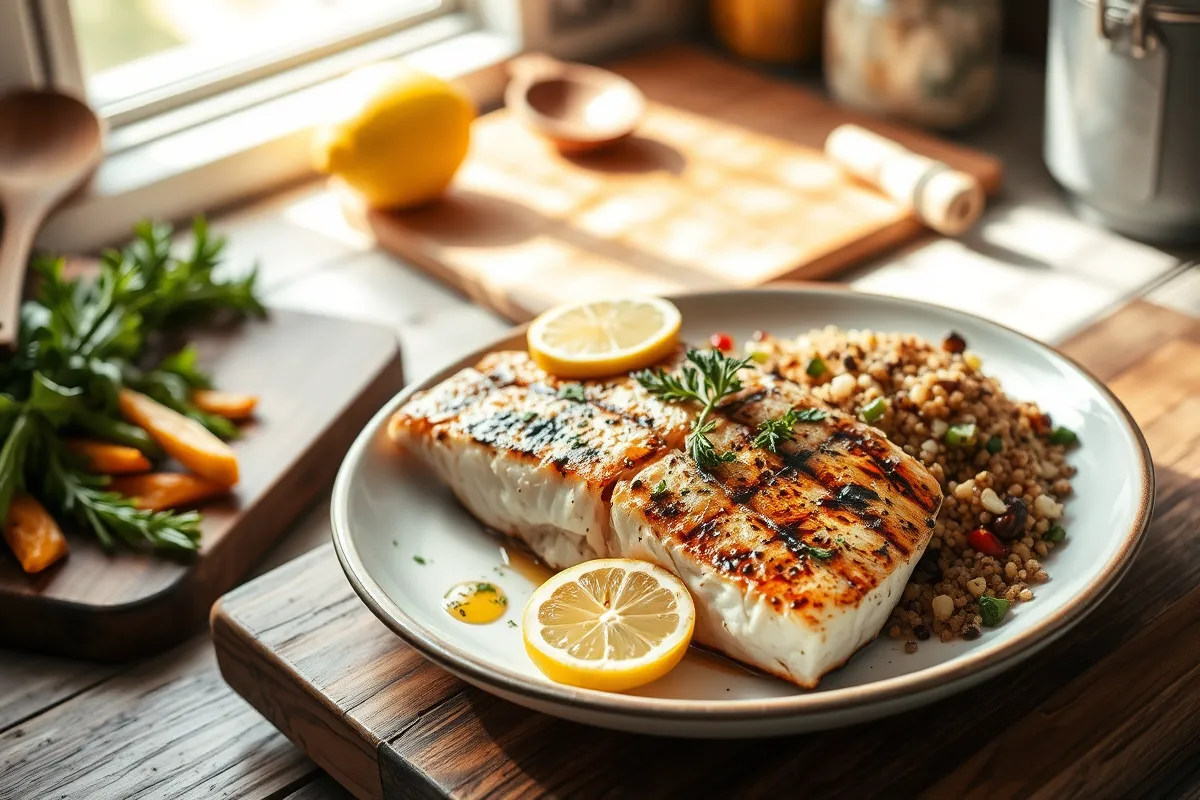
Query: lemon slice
{"x": 604, "y": 337}
{"x": 610, "y": 624}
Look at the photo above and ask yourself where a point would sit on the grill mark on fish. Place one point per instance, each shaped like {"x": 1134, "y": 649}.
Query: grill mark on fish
{"x": 886, "y": 464}
{"x": 739, "y": 402}
{"x": 873, "y": 455}
{"x": 595, "y": 392}
{"x": 851, "y": 496}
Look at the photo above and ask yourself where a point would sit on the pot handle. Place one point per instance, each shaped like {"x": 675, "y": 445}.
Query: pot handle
{"x": 1140, "y": 40}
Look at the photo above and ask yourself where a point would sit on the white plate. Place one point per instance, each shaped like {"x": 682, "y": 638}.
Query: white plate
{"x": 387, "y": 509}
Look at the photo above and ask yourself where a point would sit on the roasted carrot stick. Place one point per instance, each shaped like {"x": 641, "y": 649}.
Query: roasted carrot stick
{"x": 108, "y": 458}
{"x": 33, "y": 535}
{"x": 225, "y": 404}
{"x": 155, "y": 491}
{"x": 186, "y": 440}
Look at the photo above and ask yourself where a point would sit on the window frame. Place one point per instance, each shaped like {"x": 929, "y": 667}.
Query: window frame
{"x": 20, "y": 57}
{"x": 64, "y": 63}
{"x": 256, "y": 138}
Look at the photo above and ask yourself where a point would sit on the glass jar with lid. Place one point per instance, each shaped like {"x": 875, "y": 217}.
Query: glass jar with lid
{"x": 932, "y": 62}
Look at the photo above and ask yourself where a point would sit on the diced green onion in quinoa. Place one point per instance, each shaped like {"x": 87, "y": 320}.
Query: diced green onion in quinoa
{"x": 1061, "y": 435}
{"x": 961, "y": 435}
{"x": 815, "y": 368}
{"x": 995, "y": 445}
{"x": 993, "y": 609}
{"x": 874, "y": 410}
{"x": 1056, "y": 534}
{"x": 572, "y": 391}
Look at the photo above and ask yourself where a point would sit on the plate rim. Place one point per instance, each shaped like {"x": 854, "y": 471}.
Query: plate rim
{"x": 944, "y": 675}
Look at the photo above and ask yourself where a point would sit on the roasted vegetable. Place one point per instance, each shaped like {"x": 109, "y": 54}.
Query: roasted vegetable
{"x": 184, "y": 439}
{"x": 34, "y": 536}
{"x": 109, "y": 459}
{"x": 229, "y": 405}
{"x": 158, "y": 491}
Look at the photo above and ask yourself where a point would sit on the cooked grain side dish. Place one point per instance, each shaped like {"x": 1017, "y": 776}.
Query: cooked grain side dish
{"x": 1001, "y": 464}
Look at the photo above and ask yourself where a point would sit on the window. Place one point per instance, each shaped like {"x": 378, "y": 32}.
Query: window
{"x": 138, "y": 58}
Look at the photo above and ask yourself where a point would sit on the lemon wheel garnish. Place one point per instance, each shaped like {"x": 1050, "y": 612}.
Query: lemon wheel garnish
{"x": 611, "y": 624}
{"x": 604, "y": 337}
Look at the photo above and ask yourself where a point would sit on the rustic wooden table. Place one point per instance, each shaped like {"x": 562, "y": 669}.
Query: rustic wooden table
{"x": 169, "y": 727}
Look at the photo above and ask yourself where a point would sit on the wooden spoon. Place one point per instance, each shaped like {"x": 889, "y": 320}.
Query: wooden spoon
{"x": 49, "y": 143}
{"x": 575, "y": 106}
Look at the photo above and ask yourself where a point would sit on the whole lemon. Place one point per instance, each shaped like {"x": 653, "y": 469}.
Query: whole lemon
{"x": 400, "y": 137}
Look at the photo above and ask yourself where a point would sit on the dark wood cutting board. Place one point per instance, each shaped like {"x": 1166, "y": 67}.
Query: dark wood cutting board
{"x": 319, "y": 380}
{"x": 1110, "y": 710}
{"x": 725, "y": 183}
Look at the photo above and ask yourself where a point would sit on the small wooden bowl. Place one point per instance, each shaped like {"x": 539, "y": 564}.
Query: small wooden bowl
{"x": 575, "y": 106}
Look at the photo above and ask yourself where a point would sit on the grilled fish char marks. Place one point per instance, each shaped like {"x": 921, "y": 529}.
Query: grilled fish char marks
{"x": 528, "y": 464}
{"x": 621, "y": 395}
{"x": 839, "y": 451}
{"x": 571, "y": 437}
{"x": 771, "y": 556}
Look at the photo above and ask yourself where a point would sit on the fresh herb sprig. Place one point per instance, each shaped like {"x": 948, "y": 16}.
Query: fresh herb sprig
{"x": 80, "y": 342}
{"x": 709, "y": 378}
{"x": 775, "y": 431}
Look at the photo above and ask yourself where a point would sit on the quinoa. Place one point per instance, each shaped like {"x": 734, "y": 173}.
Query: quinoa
{"x": 934, "y": 394}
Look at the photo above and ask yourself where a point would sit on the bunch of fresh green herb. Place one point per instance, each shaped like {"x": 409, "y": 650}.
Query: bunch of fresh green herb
{"x": 80, "y": 342}
{"x": 709, "y": 378}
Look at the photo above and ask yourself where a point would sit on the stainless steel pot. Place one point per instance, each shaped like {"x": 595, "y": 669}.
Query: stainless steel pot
{"x": 1123, "y": 113}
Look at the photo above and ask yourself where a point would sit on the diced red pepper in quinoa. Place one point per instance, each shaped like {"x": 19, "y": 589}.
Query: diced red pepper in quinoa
{"x": 987, "y": 543}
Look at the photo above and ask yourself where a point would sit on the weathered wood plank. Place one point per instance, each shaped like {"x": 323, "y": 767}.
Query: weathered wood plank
{"x": 323, "y": 787}
{"x": 33, "y": 684}
{"x": 168, "y": 728}
{"x": 30, "y": 684}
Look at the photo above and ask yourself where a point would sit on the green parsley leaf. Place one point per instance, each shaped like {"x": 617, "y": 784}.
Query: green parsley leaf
{"x": 420, "y": 560}
{"x": 993, "y": 609}
{"x": 1056, "y": 534}
{"x": 816, "y": 368}
{"x": 659, "y": 490}
{"x": 709, "y": 377}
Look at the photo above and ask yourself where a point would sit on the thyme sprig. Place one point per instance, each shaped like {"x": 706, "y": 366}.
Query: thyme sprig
{"x": 773, "y": 432}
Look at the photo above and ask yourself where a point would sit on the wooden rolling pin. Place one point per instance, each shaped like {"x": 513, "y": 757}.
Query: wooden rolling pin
{"x": 945, "y": 199}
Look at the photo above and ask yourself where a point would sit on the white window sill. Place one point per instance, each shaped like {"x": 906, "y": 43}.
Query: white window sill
{"x": 251, "y": 151}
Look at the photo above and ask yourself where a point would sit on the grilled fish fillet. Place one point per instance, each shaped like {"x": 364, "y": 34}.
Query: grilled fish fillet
{"x": 795, "y": 558}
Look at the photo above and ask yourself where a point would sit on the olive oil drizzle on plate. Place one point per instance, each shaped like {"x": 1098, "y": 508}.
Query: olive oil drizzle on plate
{"x": 475, "y": 602}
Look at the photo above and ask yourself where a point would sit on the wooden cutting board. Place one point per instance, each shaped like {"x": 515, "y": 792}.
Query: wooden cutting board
{"x": 319, "y": 380}
{"x": 1110, "y": 710}
{"x": 724, "y": 184}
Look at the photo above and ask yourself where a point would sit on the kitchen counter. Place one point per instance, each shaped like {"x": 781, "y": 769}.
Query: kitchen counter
{"x": 169, "y": 727}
